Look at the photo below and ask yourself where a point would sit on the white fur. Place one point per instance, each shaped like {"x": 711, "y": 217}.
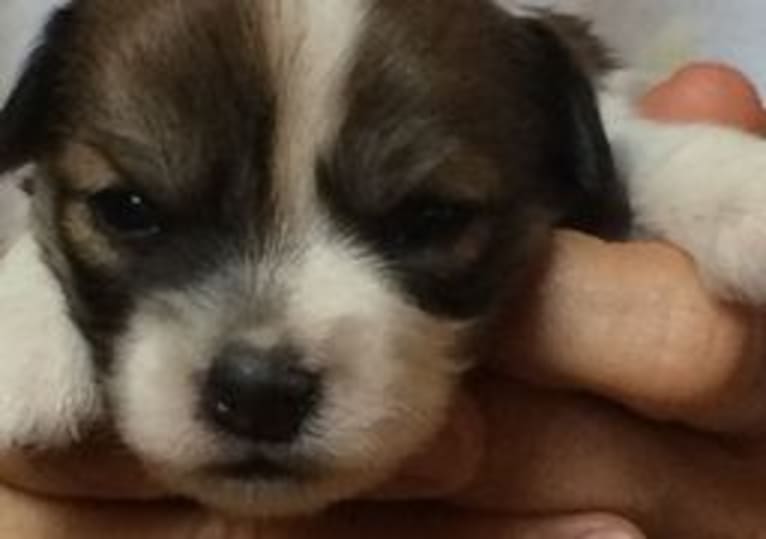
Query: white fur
{"x": 310, "y": 47}
{"x": 701, "y": 187}
{"x": 47, "y": 384}
{"x": 391, "y": 366}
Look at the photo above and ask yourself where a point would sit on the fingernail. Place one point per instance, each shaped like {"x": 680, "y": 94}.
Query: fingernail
{"x": 610, "y": 533}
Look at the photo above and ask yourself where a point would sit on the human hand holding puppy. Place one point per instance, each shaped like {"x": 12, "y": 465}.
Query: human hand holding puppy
{"x": 628, "y": 323}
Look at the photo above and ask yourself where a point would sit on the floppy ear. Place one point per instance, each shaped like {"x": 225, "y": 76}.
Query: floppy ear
{"x": 48, "y": 391}
{"x": 26, "y": 117}
{"x": 587, "y": 190}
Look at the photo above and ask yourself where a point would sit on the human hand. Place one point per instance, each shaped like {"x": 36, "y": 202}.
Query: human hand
{"x": 610, "y": 325}
{"x": 649, "y": 339}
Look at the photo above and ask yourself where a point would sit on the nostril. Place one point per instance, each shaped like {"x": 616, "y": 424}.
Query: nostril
{"x": 261, "y": 395}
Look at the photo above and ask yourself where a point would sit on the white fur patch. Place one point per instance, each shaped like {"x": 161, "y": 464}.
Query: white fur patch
{"x": 47, "y": 384}
{"x": 389, "y": 366}
{"x": 310, "y": 47}
{"x": 701, "y": 187}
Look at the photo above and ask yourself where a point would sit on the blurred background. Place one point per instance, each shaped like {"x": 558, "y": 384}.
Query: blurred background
{"x": 663, "y": 34}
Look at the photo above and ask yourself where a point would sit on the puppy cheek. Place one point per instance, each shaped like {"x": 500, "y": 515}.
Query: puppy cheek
{"x": 377, "y": 413}
{"x": 389, "y": 367}
{"x": 89, "y": 246}
{"x": 154, "y": 389}
{"x": 48, "y": 391}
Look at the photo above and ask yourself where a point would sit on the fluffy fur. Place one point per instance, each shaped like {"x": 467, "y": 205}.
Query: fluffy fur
{"x": 49, "y": 394}
{"x": 362, "y": 181}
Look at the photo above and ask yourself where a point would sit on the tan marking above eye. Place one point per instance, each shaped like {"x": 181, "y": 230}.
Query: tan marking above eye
{"x": 89, "y": 244}
{"x": 83, "y": 169}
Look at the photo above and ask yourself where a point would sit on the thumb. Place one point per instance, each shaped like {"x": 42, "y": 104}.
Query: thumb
{"x": 623, "y": 320}
{"x": 708, "y": 92}
{"x": 410, "y": 521}
{"x": 573, "y": 527}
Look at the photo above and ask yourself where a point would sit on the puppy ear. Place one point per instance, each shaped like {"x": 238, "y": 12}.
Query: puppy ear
{"x": 48, "y": 391}
{"x": 27, "y": 115}
{"x": 586, "y": 188}
{"x": 49, "y": 397}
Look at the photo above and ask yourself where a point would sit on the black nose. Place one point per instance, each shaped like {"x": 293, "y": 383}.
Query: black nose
{"x": 260, "y": 395}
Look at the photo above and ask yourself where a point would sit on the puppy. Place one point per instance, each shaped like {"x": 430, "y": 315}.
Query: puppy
{"x": 265, "y": 236}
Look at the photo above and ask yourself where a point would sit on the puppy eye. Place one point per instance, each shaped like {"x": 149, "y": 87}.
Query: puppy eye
{"x": 427, "y": 222}
{"x": 125, "y": 213}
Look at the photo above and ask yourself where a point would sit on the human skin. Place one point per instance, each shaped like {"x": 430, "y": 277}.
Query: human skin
{"x": 622, "y": 386}
{"x": 709, "y": 91}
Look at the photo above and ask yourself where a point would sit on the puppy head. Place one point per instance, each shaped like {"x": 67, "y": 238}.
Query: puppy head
{"x": 279, "y": 223}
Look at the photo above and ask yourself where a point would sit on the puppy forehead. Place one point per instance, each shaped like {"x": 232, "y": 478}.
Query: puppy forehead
{"x": 310, "y": 47}
{"x": 198, "y": 91}
{"x": 218, "y": 111}
{"x": 189, "y": 86}
{"x": 241, "y": 103}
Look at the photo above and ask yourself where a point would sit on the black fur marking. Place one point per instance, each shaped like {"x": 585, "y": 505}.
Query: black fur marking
{"x": 27, "y": 116}
{"x": 579, "y": 157}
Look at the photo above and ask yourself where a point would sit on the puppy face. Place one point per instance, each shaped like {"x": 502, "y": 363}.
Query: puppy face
{"x": 280, "y": 223}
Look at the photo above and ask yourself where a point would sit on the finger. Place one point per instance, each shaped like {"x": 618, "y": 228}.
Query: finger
{"x": 40, "y": 518}
{"x": 94, "y": 469}
{"x": 633, "y": 322}
{"x": 552, "y": 453}
{"x": 443, "y": 522}
{"x": 708, "y": 92}
{"x": 30, "y": 517}
{"x": 572, "y": 527}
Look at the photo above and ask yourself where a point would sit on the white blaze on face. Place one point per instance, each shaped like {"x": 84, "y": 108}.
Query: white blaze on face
{"x": 386, "y": 366}
{"x": 310, "y": 47}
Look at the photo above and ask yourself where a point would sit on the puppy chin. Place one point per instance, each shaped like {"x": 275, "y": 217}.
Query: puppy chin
{"x": 358, "y": 440}
{"x": 359, "y": 437}
{"x": 277, "y": 498}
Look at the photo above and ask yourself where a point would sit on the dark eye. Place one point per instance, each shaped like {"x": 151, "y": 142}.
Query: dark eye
{"x": 425, "y": 222}
{"x": 125, "y": 213}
